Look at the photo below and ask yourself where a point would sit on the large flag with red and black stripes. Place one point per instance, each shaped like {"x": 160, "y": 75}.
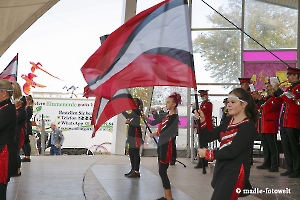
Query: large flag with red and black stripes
{"x": 105, "y": 109}
{"x": 154, "y": 48}
{"x": 87, "y": 92}
{"x": 11, "y": 71}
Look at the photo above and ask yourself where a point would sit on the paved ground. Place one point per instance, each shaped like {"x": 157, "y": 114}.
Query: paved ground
{"x": 102, "y": 177}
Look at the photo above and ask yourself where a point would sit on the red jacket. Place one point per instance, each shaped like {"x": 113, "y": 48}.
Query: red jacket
{"x": 290, "y": 115}
{"x": 207, "y": 107}
{"x": 269, "y": 115}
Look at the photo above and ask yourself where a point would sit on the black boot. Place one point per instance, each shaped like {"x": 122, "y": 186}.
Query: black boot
{"x": 199, "y": 165}
{"x": 251, "y": 161}
{"x": 3, "y": 189}
{"x": 128, "y": 173}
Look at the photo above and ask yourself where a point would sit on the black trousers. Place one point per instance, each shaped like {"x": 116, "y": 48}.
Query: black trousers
{"x": 26, "y": 149}
{"x": 201, "y": 144}
{"x": 19, "y": 160}
{"x": 135, "y": 159}
{"x": 291, "y": 149}
{"x": 270, "y": 149}
{"x": 3, "y": 189}
{"x": 162, "y": 170}
{"x": 174, "y": 152}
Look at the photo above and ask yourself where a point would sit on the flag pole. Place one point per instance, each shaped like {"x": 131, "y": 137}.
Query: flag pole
{"x": 200, "y": 138}
{"x": 148, "y": 110}
{"x": 17, "y": 67}
{"x": 155, "y": 138}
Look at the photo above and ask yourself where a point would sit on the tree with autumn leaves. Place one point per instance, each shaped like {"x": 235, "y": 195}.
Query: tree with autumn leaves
{"x": 274, "y": 27}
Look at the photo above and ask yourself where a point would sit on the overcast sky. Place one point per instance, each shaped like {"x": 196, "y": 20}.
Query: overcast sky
{"x": 66, "y": 36}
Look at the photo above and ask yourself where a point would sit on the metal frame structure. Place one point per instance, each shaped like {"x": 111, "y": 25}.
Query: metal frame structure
{"x": 190, "y": 139}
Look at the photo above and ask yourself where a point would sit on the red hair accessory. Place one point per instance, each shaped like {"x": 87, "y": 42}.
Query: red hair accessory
{"x": 176, "y": 97}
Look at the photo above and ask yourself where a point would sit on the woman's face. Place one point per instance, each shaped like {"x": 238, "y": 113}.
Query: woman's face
{"x": 235, "y": 106}
{"x": 170, "y": 104}
{"x": 204, "y": 97}
{"x": 245, "y": 86}
{"x": 270, "y": 90}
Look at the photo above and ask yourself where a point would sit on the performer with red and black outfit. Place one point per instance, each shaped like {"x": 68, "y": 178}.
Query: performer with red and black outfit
{"x": 268, "y": 127}
{"x": 134, "y": 139}
{"x": 26, "y": 147}
{"x": 8, "y": 147}
{"x": 236, "y": 134}
{"x": 167, "y": 130}
{"x": 207, "y": 107}
{"x": 290, "y": 123}
{"x": 21, "y": 131}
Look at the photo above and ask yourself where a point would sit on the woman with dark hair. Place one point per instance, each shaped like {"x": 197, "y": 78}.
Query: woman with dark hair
{"x": 8, "y": 147}
{"x": 167, "y": 130}
{"x": 134, "y": 138}
{"x": 20, "y": 133}
{"x": 26, "y": 147}
{"x": 236, "y": 134}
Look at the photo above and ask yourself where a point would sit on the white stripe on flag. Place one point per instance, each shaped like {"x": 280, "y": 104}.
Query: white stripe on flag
{"x": 169, "y": 29}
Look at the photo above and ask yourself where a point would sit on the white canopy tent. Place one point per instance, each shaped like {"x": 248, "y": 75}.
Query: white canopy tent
{"x": 284, "y": 3}
{"x": 16, "y": 16}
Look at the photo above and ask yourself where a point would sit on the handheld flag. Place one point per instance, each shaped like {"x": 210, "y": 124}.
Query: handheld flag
{"x": 11, "y": 71}
{"x": 105, "y": 109}
{"x": 154, "y": 48}
{"x": 87, "y": 92}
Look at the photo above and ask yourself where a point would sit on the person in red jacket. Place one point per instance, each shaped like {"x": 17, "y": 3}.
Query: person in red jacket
{"x": 290, "y": 123}
{"x": 244, "y": 83}
{"x": 207, "y": 108}
{"x": 268, "y": 127}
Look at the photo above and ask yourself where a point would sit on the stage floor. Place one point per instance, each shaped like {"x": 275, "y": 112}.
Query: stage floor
{"x": 102, "y": 177}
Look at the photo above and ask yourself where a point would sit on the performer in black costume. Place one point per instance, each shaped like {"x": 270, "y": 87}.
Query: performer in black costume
{"x": 26, "y": 147}
{"x": 8, "y": 146}
{"x": 21, "y": 131}
{"x": 167, "y": 130}
{"x": 236, "y": 135}
{"x": 134, "y": 139}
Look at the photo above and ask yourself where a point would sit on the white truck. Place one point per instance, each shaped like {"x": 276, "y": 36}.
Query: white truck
{"x": 73, "y": 117}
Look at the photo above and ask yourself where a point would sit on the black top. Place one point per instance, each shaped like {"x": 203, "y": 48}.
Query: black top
{"x": 8, "y": 123}
{"x": 29, "y": 111}
{"x": 232, "y": 155}
{"x": 21, "y": 123}
{"x": 134, "y": 116}
{"x": 170, "y": 130}
{"x": 134, "y": 137}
